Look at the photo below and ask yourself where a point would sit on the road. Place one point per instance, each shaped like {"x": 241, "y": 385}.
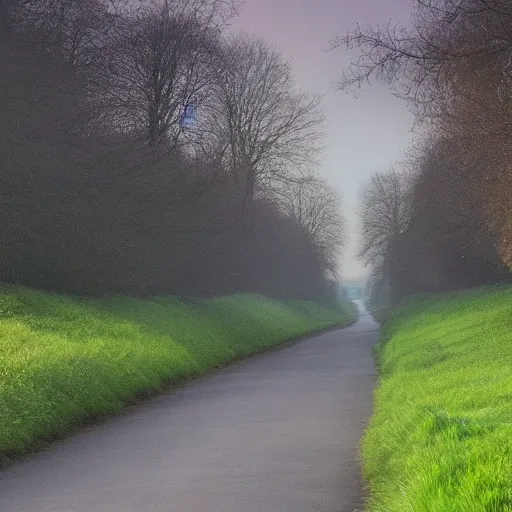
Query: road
{"x": 275, "y": 433}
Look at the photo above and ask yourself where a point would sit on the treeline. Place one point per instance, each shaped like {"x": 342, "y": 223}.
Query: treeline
{"x": 444, "y": 221}
{"x": 105, "y": 189}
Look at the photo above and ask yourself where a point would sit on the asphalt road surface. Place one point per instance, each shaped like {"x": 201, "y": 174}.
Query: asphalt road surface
{"x": 276, "y": 433}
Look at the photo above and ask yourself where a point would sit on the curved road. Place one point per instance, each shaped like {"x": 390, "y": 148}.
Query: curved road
{"x": 275, "y": 433}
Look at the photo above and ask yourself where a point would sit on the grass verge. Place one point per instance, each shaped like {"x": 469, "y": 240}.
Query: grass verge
{"x": 65, "y": 361}
{"x": 440, "y": 439}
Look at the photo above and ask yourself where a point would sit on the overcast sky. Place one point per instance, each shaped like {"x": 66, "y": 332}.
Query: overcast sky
{"x": 365, "y": 134}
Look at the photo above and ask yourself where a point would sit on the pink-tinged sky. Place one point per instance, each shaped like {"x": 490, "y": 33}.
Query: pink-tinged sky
{"x": 365, "y": 134}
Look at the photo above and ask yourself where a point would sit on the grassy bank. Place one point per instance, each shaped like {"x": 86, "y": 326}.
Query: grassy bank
{"x": 441, "y": 436}
{"x": 65, "y": 361}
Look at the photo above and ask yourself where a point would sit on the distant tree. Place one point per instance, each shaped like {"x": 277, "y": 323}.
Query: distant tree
{"x": 377, "y": 289}
{"x": 267, "y": 128}
{"x": 316, "y": 206}
{"x": 384, "y": 211}
{"x": 452, "y": 64}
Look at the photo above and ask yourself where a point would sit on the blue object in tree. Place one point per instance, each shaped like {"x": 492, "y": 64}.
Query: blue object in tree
{"x": 188, "y": 118}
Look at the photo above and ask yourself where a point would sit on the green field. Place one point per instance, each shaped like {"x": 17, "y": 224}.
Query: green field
{"x": 440, "y": 439}
{"x": 65, "y": 361}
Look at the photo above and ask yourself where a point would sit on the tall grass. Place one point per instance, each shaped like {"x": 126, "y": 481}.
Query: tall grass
{"x": 65, "y": 361}
{"x": 441, "y": 436}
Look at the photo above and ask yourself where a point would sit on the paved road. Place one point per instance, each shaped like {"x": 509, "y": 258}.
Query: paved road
{"x": 276, "y": 433}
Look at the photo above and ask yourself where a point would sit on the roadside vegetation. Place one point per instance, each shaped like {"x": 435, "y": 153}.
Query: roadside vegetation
{"x": 440, "y": 219}
{"x": 437, "y": 222}
{"x": 65, "y": 361}
{"x": 441, "y": 435}
{"x": 138, "y": 158}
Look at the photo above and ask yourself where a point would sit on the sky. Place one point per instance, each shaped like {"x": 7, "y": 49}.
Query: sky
{"x": 365, "y": 133}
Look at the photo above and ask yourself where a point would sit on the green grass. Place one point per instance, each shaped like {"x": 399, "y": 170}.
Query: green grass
{"x": 65, "y": 361}
{"x": 440, "y": 439}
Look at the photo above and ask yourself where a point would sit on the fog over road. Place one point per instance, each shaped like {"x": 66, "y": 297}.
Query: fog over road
{"x": 275, "y": 433}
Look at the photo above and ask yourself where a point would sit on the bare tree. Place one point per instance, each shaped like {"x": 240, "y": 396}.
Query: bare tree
{"x": 265, "y": 126}
{"x": 316, "y": 206}
{"x": 422, "y": 60}
{"x": 384, "y": 212}
{"x": 158, "y": 62}
{"x": 453, "y": 65}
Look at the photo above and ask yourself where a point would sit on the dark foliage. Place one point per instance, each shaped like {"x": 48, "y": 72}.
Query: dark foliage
{"x": 91, "y": 210}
